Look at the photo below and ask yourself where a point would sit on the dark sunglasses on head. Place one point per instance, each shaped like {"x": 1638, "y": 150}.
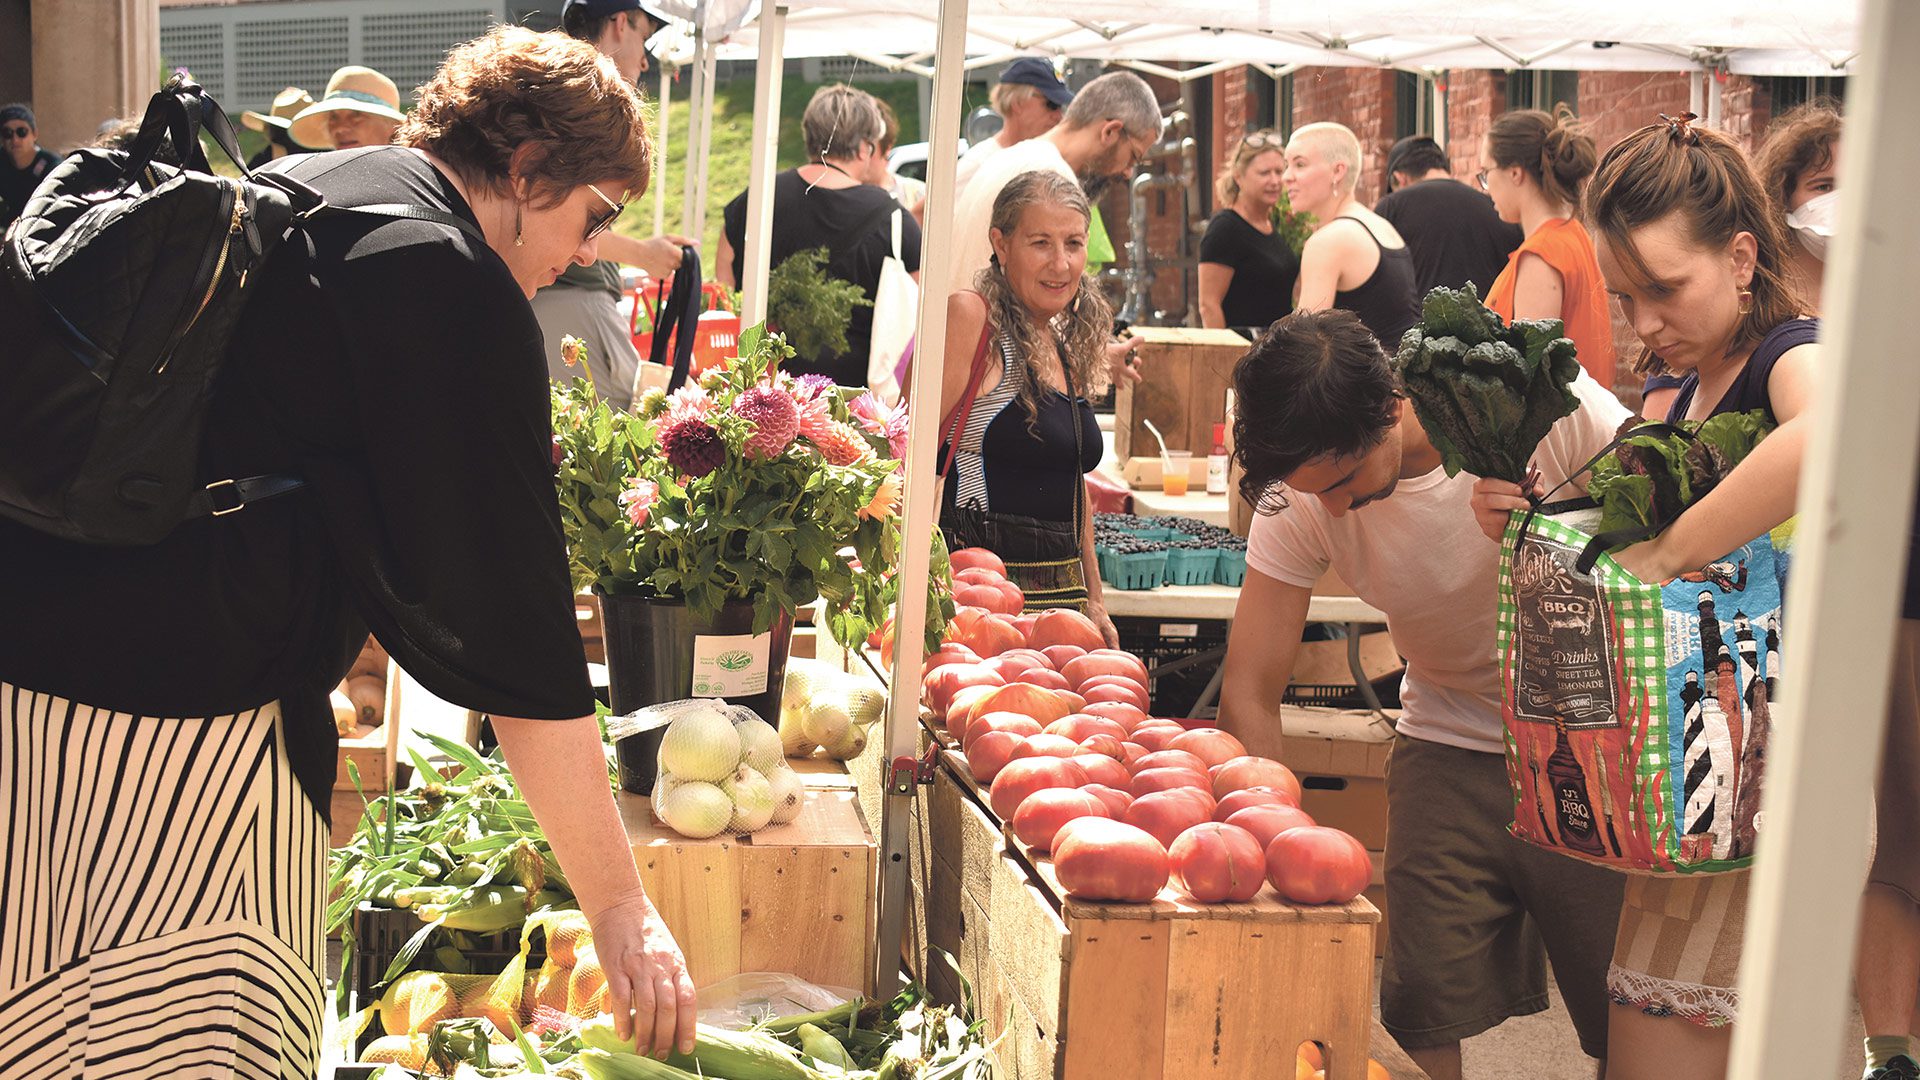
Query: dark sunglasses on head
{"x": 16, "y": 132}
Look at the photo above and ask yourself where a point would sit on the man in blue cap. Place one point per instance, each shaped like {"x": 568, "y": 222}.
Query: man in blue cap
{"x": 584, "y": 301}
{"x": 1030, "y": 99}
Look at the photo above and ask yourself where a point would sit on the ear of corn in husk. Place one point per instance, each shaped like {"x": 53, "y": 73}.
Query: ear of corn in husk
{"x": 604, "y": 1065}
{"x": 816, "y": 1043}
{"x": 737, "y": 1055}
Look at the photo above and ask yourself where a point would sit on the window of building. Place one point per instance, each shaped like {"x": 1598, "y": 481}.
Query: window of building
{"x": 1786, "y": 92}
{"x": 1531, "y": 89}
{"x": 1414, "y": 95}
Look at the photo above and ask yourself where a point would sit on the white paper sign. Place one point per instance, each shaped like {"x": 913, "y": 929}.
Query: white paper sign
{"x": 731, "y": 665}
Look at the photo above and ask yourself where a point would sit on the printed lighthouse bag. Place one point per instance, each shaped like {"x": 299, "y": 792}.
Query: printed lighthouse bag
{"x": 1637, "y": 715}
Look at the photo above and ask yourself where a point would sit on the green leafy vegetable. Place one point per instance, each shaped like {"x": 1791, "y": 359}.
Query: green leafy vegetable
{"x": 1486, "y": 392}
{"x": 1654, "y": 475}
{"x": 810, "y": 306}
{"x": 1290, "y": 225}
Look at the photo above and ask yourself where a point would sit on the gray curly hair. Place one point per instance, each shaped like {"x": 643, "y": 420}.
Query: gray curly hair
{"x": 1081, "y": 331}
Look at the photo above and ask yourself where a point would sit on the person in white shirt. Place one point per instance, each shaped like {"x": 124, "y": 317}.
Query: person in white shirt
{"x": 1343, "y": 476}
{"x": 1029, "y": 98}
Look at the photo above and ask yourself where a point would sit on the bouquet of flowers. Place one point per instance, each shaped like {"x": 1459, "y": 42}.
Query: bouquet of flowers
{"x": 750, "y": 484}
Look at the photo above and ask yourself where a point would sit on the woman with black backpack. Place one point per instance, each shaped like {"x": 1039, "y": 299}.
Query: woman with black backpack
{"x": 165, "y": 737}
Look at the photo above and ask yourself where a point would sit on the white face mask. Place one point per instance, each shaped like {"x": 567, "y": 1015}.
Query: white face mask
{"x": 1814, "y": 222}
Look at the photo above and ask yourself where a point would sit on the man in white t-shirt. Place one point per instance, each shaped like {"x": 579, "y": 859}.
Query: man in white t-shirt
{"x": 1029, "y": 98}
{"x": 1346, "y": 478}
{"x": 1106, "y": 133}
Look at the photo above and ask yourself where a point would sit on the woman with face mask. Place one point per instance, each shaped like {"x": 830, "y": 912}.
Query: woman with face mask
{"x": 1798, "y": 164}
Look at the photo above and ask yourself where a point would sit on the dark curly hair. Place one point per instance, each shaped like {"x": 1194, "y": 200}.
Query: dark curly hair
{"x": 555, "y": 95}
{"x": 1315, "y": 385}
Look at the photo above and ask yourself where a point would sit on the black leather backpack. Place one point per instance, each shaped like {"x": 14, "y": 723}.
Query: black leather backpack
{"x": 120, "y": 286}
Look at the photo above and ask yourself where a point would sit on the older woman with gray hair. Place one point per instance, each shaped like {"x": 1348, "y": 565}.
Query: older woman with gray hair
{"x": 1026, "y": 351}
{"x": 826, "y": 204}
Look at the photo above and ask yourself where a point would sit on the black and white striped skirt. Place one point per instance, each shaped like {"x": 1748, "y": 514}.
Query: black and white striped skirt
{"x": 160, "y": 895}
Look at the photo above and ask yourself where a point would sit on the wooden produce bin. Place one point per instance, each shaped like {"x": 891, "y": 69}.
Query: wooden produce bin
{"x": 796, "y": 898}
{"x": 1185, "y": 373}
{"x": 374, "y": 750}
{"x": 1170, "y": 989}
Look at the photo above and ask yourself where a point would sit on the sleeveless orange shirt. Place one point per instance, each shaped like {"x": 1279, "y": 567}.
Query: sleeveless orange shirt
{"x": 1567, "y": 247}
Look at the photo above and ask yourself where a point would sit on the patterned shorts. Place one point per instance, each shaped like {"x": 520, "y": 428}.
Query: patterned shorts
{"x": 1678, "y": 952}
{"x": 160, "y": 895}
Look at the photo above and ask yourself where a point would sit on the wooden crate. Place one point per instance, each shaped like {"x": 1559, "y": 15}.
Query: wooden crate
{"x": 796, "y": 898}
{"x": 1183, "y": 390}
{"x": 1095, "y": 991}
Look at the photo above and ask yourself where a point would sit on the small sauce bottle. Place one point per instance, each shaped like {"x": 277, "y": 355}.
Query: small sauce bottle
{"x": 1217, "y": 462}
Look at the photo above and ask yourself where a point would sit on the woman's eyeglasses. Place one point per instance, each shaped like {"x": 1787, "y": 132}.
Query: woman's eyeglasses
{"x": 602, "y": 224}
{"x": 1481, "y": 178}
{"x": 16, "y": 132}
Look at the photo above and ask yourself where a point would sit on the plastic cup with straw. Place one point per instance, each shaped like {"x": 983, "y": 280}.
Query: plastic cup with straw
{"x": 1173, "y": 464}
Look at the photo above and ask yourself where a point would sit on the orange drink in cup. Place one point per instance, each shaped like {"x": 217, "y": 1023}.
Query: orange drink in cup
{"x": 1174, "y": 473}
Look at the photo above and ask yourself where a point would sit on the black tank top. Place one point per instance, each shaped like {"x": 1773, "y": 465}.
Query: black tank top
{"x": 1388, "y": 302}
{"x": 1003, "y": 465}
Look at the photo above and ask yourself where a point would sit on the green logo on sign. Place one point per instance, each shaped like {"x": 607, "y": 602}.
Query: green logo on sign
{"x": 737, "y": 660}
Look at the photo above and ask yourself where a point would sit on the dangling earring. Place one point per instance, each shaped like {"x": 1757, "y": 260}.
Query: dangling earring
{"x": 1746, "y": 301}
{"x": 517, "y": 242}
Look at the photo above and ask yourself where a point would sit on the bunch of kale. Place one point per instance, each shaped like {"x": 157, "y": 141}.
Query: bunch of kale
{"x": 1656, "y": 473}
{"x": 1486, "y": 392}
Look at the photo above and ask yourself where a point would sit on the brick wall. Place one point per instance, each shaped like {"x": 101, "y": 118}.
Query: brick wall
{"x": 1474, "y": 98}
{"x": 1360, "y": 98}
{"x": 1231, "y": 112}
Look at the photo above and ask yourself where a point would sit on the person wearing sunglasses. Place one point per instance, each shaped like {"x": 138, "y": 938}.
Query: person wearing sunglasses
{"x": 585, "y": 301}
{"x": 394, "y": 365}
{"x": 1030, "y": 99}
{"x": 25, "y": 162}
{"x": 1247, "y": 271}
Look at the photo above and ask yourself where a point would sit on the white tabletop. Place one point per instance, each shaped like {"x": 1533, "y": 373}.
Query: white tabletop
{"x": 1151, "y": 502}
{"x": 1219, "y": 601}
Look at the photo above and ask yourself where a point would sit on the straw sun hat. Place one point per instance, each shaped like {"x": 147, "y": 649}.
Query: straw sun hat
{"x": 360, "y": 89}
{"x": 287, "y": 104}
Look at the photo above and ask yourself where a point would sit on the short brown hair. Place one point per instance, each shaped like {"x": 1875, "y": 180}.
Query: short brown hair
{"x": 1676, "y": 167}
{"x": 557, "y": 95}
{"x": 1555, "y": 149}
{"x": 1798, "y": 143}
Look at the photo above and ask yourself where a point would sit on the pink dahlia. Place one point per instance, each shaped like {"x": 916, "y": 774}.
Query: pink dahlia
{"x": 840, "y": 444}
{"x": 687, "y": 403}
{"x": 637, "y": 501}
{"x": 775, "y": 418}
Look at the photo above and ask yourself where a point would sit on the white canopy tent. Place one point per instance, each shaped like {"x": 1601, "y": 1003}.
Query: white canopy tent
{"x": 1860, "y": 468}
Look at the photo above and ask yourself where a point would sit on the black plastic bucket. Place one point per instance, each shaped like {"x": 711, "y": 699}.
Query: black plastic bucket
{"x": 652, "y": 648}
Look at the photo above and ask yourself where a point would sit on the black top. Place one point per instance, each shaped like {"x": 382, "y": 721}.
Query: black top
{"x": 1386, "y": 302}
{"x": 1749, "y": 392}
{"x": 411, "y": 393}
{"x": 17, "y": 184}
{"x": 852, "y": 224}
{"x": 1006, "y": 465}
{"x": 1454, "y": 233}
{"x": 1264, "y": 270}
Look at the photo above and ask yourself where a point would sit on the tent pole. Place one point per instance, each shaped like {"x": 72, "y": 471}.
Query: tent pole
{"x": 1716, "y": 100}
{"x": 1437, "y": 86}
{"x": 1855, "y": 485}
{"x": 700, "y": 151}
{"x": 903, "y": 705}
{"x": 696, "y": 167}
{"x": 769, "y": 68}
{"x": 660, "y": 134}
{"x": 1697, "y": 93}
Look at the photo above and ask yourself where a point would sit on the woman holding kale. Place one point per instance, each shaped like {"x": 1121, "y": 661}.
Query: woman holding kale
{"x": 1695, "y": 253}
{"x": 1026, "y": 351}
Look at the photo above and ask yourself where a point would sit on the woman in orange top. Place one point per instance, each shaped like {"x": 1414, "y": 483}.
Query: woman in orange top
{"x": 1540, "y": 164}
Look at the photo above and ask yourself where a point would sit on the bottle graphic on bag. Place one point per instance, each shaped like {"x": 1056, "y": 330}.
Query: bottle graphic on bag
{"x": 1570, "y": 803}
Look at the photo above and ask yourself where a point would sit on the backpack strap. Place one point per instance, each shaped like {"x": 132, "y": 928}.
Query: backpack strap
{"x": 223, "y": 497}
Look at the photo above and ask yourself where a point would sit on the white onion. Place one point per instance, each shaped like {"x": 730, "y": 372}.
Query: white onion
{"x": 789, "y": 792}
{"x": 700, "y": 745}
{"x": 827, "y": 720}
{"x": 695, "y": 809}
{"x": 760, "y": 744}
{"x": 752, "y": 799}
